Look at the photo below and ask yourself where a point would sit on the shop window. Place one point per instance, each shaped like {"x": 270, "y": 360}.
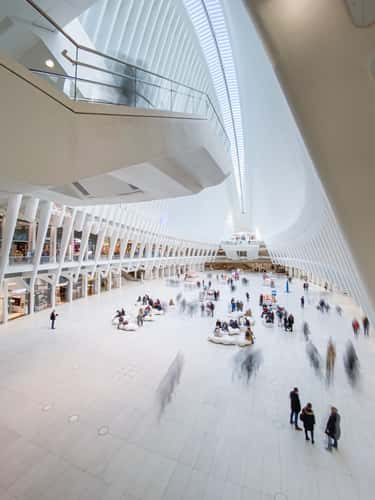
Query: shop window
{"x": 137, "y": 250}
{"x": 128, "y": 249}
{"x": 117, "y": 250}
{"x": 18, "y": 299}
{"x": 104, "y": 284}
{"x": 105, "y": 247}
{"x": 62, "y": 290}
{"x": 91, "y": 286}
{"x": 78, "y": 288}
{"x": 77, "y": 240}
{"x": 47, "y": 248}
{"x": 59, "y": 233}
{"x": 42, "y": 295}
{"x": 91, "y": 246}
{"x": 21, "y": 250}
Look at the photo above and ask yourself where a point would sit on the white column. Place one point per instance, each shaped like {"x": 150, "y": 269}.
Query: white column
{"x": 14, "y": 203}
{"x": 84, "y": 285}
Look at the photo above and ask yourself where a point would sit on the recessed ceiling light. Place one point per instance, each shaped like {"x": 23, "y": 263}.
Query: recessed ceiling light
{"x": 49, "y": 63}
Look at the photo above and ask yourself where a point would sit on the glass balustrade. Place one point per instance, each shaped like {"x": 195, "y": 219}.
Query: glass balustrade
{"x": 84, "y": 74}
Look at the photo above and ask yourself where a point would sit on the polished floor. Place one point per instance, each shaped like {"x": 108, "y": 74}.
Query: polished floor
{"x": 81, "y": 417}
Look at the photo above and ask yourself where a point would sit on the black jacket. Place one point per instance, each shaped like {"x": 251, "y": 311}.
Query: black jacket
{"x": 295, "y": 404}
{"x": 308, "y": 419}
{"x": 333, "y": 426}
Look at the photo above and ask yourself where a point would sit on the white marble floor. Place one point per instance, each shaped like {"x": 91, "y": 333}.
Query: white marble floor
{"x": 79, "y": 413}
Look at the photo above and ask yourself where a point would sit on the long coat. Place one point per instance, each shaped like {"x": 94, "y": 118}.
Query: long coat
{"x": 295, "y": 404}
{"x": 308, "y": 419}
{"x": 333, "y": 428}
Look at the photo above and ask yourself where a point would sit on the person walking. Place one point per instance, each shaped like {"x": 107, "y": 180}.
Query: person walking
{"x": 333, "y": 429}
{"x": 247, "y": 297}
{"x": 52, "y": 318}
{"x": 202, "y": 309}
{"x": 295, "y": 408}
{"x": 302, "y": 301}
{"x": 355, "y": 326}
{"x": 140, "y": 317}
{"x": 308, "y": 418}
{"x": 366, "y": 325}
{"x": 290, "y": 322}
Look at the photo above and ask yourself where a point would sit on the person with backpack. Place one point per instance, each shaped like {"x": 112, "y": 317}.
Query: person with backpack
{"x": 308, "y": 418}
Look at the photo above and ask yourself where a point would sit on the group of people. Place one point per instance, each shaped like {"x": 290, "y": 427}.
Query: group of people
{"x": 307, "y": 417}
{"x": 236, "y": 305}
{"x": 233, "y": 325}
{"x": 146, "y": 300}
{"x": 365, "y": 324}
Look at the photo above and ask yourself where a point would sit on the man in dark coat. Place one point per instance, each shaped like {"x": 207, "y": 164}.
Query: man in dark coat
{"x": 333, "y": 429}
{"x": 52, "y": 318}
{"x": 295, "y": 408}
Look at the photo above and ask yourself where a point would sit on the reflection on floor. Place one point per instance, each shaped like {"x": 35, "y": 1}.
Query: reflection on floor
{"x": 81, "y": 419}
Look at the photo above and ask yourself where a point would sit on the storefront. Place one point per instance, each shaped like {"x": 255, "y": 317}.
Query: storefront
{"x": 77, "y": 244}
{"x": 78, "y": 291}
{"x": 104, "y": 284}
{"x": 22, "y": 248}
{"x": 116, "y": 281}
{"x": 42, "y": 295}
{"x": 117, "y": 250}
{"x": 91, "y": 286}
{"x": 91, "y": 246}
{"x": 105, "y": 247}
{"x": 18, "y": 299}
{"x": 62, "y": 291}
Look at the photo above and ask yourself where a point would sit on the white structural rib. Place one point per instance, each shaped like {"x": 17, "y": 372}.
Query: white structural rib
{"x": 208, "y": 20}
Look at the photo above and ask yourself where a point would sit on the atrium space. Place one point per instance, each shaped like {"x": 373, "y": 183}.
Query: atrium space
{"x": 82, "y": 415}
{"x": 187, "y": 249}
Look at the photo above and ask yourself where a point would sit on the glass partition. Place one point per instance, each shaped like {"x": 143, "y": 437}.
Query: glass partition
{"x": 84, "y": 74}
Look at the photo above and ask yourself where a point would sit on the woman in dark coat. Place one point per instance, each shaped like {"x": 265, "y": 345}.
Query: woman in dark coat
{"x": 308, "y": 418}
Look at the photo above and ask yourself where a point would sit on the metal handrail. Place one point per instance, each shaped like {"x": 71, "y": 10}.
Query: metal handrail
{"x": 86, "y": 80}
{"x": 115, "y": 59}
{"x": 65, "y": 54}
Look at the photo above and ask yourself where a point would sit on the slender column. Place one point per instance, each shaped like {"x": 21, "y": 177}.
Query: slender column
{"x": 14, "y": 203}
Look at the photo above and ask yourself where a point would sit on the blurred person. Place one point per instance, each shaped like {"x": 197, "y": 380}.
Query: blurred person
{"x": 202, "y": 309}
{"x": 306, "y": 330}
{"x": 308, "y": 418}
{"x": 333, "y": 429}
{"x": 330, "y": 359}
{"x": 302, "y": 301}
{"x": 290, "y": 322}
{"x": 169, "y": 382}
{"x": 247, "y": 297}
{"x": 366, "y": 326}
{"x": 351, "y": 363}
{"x": 295, "y": 408}
{"x": 247, "y": 362}
{"x": 355, "y": 326}
{"x": 314, "y": 357}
